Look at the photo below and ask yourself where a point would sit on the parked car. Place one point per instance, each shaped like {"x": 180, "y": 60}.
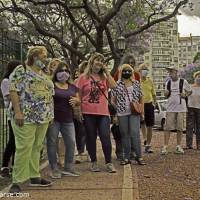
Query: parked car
{"x": 160, "y": 114}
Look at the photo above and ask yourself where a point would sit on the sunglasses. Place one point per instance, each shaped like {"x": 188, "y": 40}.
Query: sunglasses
{"x": 64, "y": 70}
{"x": 126, "y": 71}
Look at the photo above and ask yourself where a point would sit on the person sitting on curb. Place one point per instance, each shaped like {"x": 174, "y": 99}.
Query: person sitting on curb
{"x": 176, "y": 108}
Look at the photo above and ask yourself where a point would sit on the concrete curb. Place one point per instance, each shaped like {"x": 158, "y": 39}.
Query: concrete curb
{"x": 127, "y": 187}
{"x": 135, "y": 185}
{"x": 130, "y": 189}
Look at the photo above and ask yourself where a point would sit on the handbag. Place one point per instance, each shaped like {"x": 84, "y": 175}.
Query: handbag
{"x": 111, "y": 107}
{"x": 135, "y": 106}
{"x": 77, "y": 114}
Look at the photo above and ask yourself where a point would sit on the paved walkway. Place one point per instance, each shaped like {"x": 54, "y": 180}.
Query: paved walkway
{"x": 122, "y": 185}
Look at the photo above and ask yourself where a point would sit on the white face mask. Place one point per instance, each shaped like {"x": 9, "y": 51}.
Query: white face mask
{"x": 39, "y": 63}
{"x": 144, "y": 73}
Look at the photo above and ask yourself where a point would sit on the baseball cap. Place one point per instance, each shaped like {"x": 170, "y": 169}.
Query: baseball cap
{"x": 172, "y": 68}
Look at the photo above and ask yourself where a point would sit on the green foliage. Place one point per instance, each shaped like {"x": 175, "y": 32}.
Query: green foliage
{"x": 197, "y": 57}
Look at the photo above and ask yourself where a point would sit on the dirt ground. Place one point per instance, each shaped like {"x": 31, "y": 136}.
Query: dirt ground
{"x": 170, "y": 177}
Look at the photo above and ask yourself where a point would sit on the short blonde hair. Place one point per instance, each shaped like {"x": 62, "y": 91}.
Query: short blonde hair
{"x": 143, "y": 66}
{"x": 33, "y": 52}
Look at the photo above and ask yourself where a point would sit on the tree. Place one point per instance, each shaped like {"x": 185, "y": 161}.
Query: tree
{"x": 75, "y": 27}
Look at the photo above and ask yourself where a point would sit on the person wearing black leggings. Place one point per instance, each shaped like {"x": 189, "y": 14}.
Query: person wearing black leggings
{"x": 10, "y": 147}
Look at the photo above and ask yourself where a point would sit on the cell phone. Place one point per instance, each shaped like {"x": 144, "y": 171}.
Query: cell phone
{"x": 101, "y": 71}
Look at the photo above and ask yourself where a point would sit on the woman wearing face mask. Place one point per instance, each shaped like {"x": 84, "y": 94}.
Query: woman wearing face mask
{"x": 149, "y": 98}
{"x": 66, "y": 96}
{"x": 93, "y": 85}
{"x": 31, "y": 96}
{"x": 127, "y": 91}
{"x": 193, "y": 114}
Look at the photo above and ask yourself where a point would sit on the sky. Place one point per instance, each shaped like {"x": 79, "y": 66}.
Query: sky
{"x": 188, "y": 24}
{"x": 189, "y": 20}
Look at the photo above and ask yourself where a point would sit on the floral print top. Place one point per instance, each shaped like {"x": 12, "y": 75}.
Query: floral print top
{"x": 36, "y": 94}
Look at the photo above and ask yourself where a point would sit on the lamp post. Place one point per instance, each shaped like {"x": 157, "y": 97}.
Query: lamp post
{"x": 121, "y": 44}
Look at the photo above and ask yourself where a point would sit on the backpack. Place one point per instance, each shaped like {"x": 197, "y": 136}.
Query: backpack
{"x": 181, "y": 82}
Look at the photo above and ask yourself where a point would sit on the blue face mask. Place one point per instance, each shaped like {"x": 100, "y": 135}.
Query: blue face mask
{"x": 144, "y": 73}
{"x": 39, "y": 63}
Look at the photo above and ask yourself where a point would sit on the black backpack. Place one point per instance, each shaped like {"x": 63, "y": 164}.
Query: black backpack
{"x": 181, "y": 82}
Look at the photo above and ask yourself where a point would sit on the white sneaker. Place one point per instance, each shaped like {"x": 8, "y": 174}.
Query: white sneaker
{"x": 164, "y": 150}
{"x": 56, "y": 174}
{"x": 179, "y": 150}
{"x": 110, "y": 168}
{"x": 94, "y": 167}
{"x": 70, "y": 173}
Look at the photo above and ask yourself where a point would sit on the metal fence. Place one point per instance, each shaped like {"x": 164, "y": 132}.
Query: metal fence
{"x": 3, "y": 130}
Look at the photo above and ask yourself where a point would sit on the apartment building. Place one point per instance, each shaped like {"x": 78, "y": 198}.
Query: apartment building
{"x": 163, "y": 53}
{"x": 188, "y": 48}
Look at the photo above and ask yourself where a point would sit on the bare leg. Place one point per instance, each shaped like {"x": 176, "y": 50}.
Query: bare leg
{"x": 149, "y": 135}
{"x": 166, "y": 137}
{"x": 179, "y": 137}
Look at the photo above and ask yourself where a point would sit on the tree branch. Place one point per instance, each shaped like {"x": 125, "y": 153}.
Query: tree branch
{"x": 112, "y": 12}
{"x": 148, "y": 25}
{"x": 69, "y": 13}
{"x": 43, "y": 31}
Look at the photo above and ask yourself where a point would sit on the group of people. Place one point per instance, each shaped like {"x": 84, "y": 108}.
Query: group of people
{"x": 50, "y": 101}
{"x": 183, "y": 109}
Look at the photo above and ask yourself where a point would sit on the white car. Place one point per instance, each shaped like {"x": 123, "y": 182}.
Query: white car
{"x": 160, "y": 114}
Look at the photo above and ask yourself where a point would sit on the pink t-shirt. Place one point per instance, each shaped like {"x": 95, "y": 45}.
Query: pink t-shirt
{"x": 92, "y": 99}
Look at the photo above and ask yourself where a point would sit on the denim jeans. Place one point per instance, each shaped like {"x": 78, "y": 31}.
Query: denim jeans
{"x": 193, "y": 124}
{"x": 68, "y": 133}
{"x": 98, "y": 124}
{"x": 130, "y": 131}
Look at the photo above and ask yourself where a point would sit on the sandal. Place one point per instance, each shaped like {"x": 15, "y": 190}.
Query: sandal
{"x": 125, "y": 162}
{"x": 140, "y": 161}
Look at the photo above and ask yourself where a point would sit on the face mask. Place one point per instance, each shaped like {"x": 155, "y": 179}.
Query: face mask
{"x": 62, "y": 76}
{"x": 144, "y": 73}
{"x": 197, "y": 80}
{"x": 39, "y": 63}
{"x": 126, "y": 74}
